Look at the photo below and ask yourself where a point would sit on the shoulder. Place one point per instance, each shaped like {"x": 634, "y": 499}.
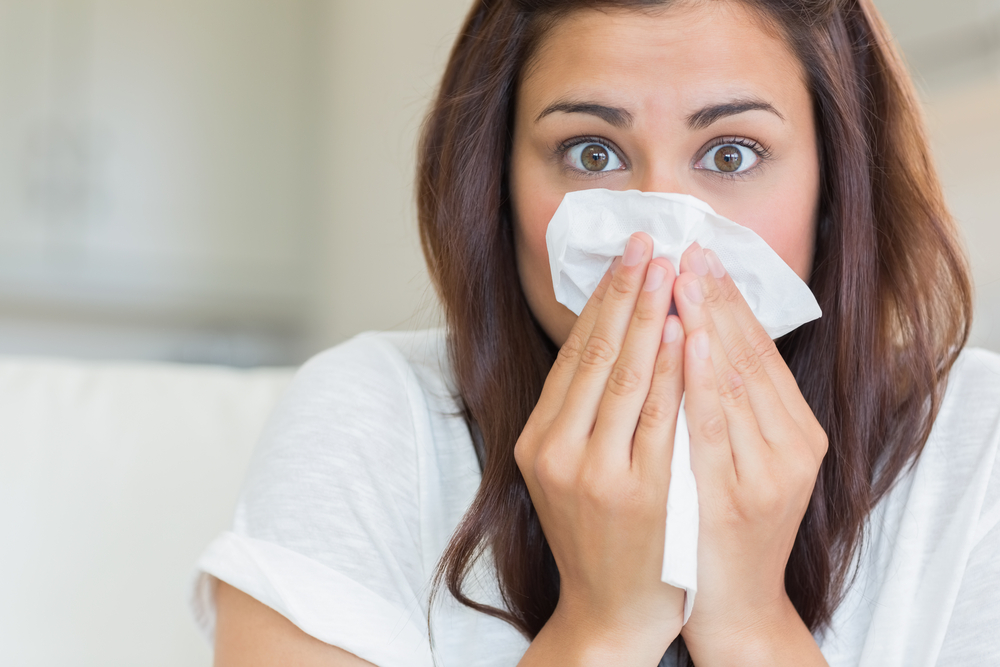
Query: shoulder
{"x": 376, "y": 365}
{"x": 924, "y": 533}
{"x": 356, "y": 485}
{"x": 973, "y": 420}
{"x": 967, "y": 425}
{"x": 955, "y": 485}
{"x": 375, "y": 381}
{"x": 975, "y": 377}
{"x": 352, "y": 429}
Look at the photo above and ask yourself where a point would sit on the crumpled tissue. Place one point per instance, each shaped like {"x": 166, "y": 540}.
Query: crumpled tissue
{"x": 591, "y": 227}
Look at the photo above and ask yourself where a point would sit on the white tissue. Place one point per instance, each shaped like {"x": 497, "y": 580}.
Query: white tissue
{"x": 591, "y": 227}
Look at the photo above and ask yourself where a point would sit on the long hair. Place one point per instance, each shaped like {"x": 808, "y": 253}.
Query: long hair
{"x": 888, "y": 273}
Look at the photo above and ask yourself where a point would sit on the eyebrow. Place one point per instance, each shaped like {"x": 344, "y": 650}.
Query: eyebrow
{"x": 699, "y": 120}
{"x": 703, "y": 118}
{"x": 615, "y": 116}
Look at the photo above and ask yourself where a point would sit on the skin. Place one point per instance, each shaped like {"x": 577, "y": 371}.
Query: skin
{"x": 595, "y": 453}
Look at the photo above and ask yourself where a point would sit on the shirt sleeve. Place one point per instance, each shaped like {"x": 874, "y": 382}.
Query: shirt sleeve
{"x": 326, "y": 530}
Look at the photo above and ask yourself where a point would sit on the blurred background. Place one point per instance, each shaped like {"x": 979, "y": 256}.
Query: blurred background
{"x": 230, "y": 181}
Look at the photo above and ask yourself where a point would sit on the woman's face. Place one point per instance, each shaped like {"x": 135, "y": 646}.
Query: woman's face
{"x": 697, "y": 99}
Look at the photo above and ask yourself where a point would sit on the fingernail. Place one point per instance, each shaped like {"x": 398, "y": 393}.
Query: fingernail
{"x": 615, "y": 263}
{"x": 698, "y": 264}
{"x": 654, "y": 277}
{"x": 701, "y": 345}
{"x": 672, "y": 331}
{"x": 693, "y": 292}
{"x": 714, "y": 264}
{"x": 633, "y": 252}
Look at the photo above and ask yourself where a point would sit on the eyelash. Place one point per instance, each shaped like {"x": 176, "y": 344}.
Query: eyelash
{"x": 762, "y": 151}
{"x": 563, "y": 148}
{"x": 763, "y": 155}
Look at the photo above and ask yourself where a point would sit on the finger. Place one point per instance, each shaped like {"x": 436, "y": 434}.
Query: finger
{"x": 629, "y": 382}
{"x": 599, "y": 354}
{"x": 564, "y": 368}
{"x": 759, "y": 341}
{"x": 711, "y": 452}
{"x": 767, "y": 405}
{"x": 653, "y": 447}
{"x": 755, "y": 348}
{"x": 695, "y": 309}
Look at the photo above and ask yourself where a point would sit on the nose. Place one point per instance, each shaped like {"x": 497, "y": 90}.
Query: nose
{"x": 661, "y": 178}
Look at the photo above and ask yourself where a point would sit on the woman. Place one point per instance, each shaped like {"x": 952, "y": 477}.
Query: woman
{"x": 847, "y": 479}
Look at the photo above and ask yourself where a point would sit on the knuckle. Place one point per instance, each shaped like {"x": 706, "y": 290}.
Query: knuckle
{"x": 804, "y": 472}
{"x": 730, "y": 291}
{"x": 714, "y": 429}
{"x": 792, "y": 478}
{"x": 655, "y": 411}
{"x": 731, "y": 388}
{"x": 763, "y": 347}
{"x": 745, "y": 362}
{"x": 817, "y": 445}
{"x": 606, "y": 492}
{"x": 598, "y": 352}
{"x": 667, "y": 364}
{"x": 714, "y": 297}
{"x": 624, "y": 381}
{"x": 595, "y": 489}
{"x": 521, "y": 454}
{"x": 569, "y": 353}
{"x": 644, "y": 315}
{"x": 551, "y": 470}
{"x": 822, "y": 442}
{"x": 622, "y": 284}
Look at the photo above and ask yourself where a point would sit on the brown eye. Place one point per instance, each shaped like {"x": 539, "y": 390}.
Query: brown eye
{"x": 732, "y": 159}
{"x": 728, "y": 158}
{"x": 594, "y": 157}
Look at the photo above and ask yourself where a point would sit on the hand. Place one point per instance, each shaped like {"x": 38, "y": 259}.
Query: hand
{"x": 595, "y": 455}
{"x": 756, "y": 448}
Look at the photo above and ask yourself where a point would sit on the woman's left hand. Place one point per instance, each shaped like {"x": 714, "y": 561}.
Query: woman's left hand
{"x": 756, "y": 449}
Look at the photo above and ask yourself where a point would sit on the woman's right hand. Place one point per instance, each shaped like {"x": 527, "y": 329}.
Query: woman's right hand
{"x": 595, "y": 455}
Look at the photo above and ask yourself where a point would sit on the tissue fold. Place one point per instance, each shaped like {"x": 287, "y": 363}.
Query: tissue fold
{"x": 591, "y": 227}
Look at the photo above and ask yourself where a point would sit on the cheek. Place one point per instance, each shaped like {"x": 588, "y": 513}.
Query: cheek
{"x": 785, "y": 217}
{"x": 788, "y": 227}
{"x": 534, "y": 205}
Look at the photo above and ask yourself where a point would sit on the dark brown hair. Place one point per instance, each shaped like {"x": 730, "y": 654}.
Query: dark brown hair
{"x": 888, "y": 274}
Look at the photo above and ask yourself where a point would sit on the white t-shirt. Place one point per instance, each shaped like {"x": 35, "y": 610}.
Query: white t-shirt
{"x": 366, "y": 467}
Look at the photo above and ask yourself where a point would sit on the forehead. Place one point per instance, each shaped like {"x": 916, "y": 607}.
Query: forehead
{"x": 679, "y": 58}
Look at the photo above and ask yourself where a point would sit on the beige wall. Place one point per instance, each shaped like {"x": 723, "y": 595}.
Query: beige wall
{"x": 962, "y": 123}
{"x": 383, "y": 61}
{"x": 156, "y": 170}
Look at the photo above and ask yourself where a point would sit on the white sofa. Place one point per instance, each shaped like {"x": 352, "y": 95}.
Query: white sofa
{"x": 113, "y": 478}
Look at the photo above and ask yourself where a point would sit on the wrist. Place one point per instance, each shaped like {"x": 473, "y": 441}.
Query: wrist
{"x": 575, "y": 636}
{"x": 767, "y": 635}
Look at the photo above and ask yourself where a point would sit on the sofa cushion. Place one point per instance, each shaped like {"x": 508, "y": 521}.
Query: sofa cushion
{"x": 113, "y": 478}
